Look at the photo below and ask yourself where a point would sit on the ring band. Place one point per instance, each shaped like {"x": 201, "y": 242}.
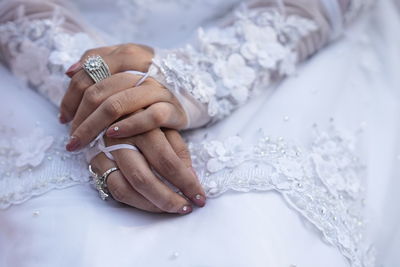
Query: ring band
{"x": 107, "y": 173}
{"x": 96, "y": 68}
{"x": 100, "y": 182}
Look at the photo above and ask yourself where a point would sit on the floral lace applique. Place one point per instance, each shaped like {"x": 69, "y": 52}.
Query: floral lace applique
{"x": 324, "y": 182}
{"x": 30, "y": 150}
{"x": 28, "y": 42}
{"x": 227, "y": 63}
{"x": 35, "y": 164}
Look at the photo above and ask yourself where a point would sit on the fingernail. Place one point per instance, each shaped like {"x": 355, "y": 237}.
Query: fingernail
{"x": 199, "y": 200}
{"x": 73, "y": 144}
{"x": 113, "y": 132}
{"x": 71, "y": 71}
{"x": 61, "y": 118}
{"x": 185, "y": 209}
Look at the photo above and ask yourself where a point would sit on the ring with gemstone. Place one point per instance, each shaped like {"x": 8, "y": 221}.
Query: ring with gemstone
{"x": 100, "y": 182}
{"x": 96, "y": 68}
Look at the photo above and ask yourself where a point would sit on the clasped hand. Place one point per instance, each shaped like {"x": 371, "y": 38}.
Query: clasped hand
{"x": 147, "y": 116}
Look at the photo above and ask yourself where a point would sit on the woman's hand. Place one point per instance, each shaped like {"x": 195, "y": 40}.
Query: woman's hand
{"x": 136, "y": 184}
{"x": 94, "y": 107}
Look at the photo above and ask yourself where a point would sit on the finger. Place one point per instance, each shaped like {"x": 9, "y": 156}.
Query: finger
{"x": 119, "y": 188}
{"x": 79, "y": 83}
{"x": 179, "y": 146}
{"x": 99, "y": 92}
{"x": 182, "y": 151}
{"x": 115, "y": 107}
{"x": 118, "y": 58}
{"x": 70, "y": 102}
{"x": 155, "y": 147}
{"x": 138, "y": 173}
{"x": 161, "y": 114}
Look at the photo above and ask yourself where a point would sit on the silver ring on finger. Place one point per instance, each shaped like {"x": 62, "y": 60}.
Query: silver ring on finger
{"x": 100, "y": 182}
{"x": 96, "y": 68}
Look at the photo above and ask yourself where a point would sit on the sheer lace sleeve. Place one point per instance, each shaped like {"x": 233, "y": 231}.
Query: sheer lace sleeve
{"x": 259, "y": 43}
{"x": 39, "y": 40}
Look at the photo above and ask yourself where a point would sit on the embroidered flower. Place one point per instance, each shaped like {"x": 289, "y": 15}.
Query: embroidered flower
{"x": 235, "y": 75}
{"x": 31, "y": 41}
{"x": 205, "y": 86}
{"x": 215, "y": 36}
{"x": 225, "y": 154}
{"x": 288, "y": 64}
{"x": 229, "y": 63}
{"x": 31, "y": 149}
{"x": 262, "y": 45}
{"x": 54, "y": 88}
{"x": 28, "y": 64}
{"x": 68, "y": 48}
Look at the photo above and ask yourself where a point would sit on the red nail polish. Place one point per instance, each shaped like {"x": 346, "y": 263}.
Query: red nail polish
{"x": 199, "y": 200}
{"x": 62, "y": 119}
{"x": 113, "y": 132}
{"x": 185, "y": 209}
{"x": 73, "y": 69}
{"x": 73, "y": 144}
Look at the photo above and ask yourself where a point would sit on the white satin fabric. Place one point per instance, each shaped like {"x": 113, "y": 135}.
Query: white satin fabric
{"x": 355, "y": 81}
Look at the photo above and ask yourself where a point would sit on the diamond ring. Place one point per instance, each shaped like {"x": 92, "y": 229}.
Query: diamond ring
{"x": 96, "y": 68}
{"x": 100, "y": 182}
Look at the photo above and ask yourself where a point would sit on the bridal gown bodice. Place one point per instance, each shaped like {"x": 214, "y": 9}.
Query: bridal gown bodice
{"x": 305, "y": 138}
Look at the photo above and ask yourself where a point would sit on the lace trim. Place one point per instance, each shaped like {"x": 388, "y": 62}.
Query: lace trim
{"x": 323, "y": 182}
{"x": 28, "y": 42}
{"x": 35, "y": 164}
{"x": 227, "y": 64}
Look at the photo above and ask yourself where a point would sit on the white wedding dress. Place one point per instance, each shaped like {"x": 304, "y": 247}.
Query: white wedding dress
{"x": 317, "y": 152}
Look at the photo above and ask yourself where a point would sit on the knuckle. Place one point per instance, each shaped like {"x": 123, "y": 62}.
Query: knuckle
{"x": 78, "y": 83}
{"x": 114, "y": 108}
{"x": 168, "y": 166}
{"x": 93, "y": 95}
{"x": 159, "y": 115}
{"x": 75, "y": 83}
{"x": 118, "y": 192}
{"x": 183, "y": 153}
{"x": 138, "y": 180}
{"x": 127, "y": 49}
